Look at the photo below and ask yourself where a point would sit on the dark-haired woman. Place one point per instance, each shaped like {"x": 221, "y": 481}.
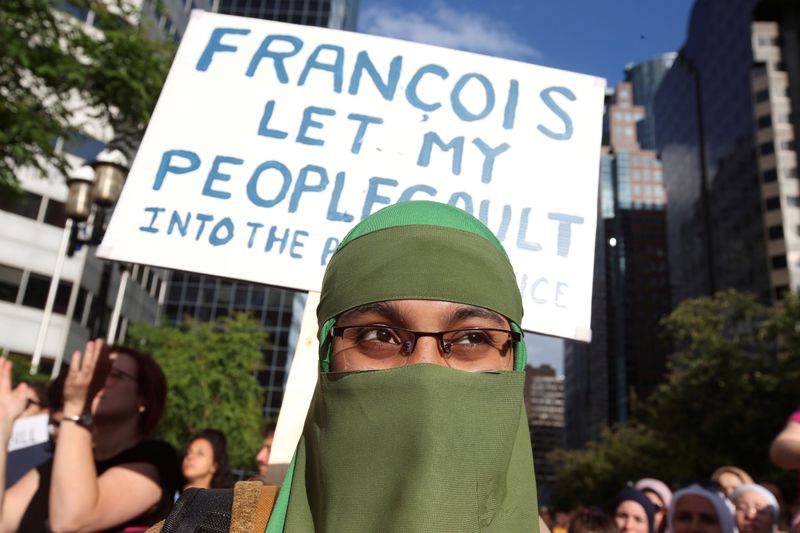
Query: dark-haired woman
{"x": 205, "y": 462}
{"x": 106, "y": 473}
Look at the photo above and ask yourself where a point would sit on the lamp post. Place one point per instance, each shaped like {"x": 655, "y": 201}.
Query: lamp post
{"x": 92, "y": 190}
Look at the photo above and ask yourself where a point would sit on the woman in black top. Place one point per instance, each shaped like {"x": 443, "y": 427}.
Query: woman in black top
{"x": 105, "y": 474}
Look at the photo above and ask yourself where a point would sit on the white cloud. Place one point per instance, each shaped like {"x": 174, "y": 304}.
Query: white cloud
{"x": 442, "y": 25}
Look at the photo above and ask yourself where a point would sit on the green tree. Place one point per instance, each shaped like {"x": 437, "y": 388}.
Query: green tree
{"x": 21, "y": 371}
{"x": 57, "y": 73}
{"x": 593, "y": 475}
{"x": 211, "y": 372}
{"x": 730, "y": 384}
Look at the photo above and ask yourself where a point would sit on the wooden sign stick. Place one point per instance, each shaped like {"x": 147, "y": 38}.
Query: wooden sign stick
{"x": 297, "y": 396}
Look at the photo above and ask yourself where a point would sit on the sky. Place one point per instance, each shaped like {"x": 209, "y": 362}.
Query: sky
{"x": 597, "y": 37}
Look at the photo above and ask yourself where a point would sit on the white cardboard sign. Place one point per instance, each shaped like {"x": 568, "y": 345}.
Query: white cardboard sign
{"x": 271, "y": 140}
{"x": 29, "y": 431}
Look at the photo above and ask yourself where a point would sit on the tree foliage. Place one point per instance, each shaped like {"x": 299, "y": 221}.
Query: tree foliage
{"x": 730, "y": 384}
{"x": 57, "y": 73}
{"x": 211, "y": 372}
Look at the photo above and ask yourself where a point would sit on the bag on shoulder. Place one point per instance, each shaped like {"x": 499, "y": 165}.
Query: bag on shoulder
{"x": 244, "y": 509}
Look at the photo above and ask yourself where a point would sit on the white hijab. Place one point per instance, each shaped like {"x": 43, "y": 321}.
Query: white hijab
{"x": 772, "y": 502}
{"x": 723, "y": 513}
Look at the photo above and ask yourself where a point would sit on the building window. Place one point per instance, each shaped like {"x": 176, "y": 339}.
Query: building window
{"x": 55, "y": 214}
{"x": 770, "y": 175}
{"x": 767, "y": 40}
{"x": 793, "y": 201}
{"x": 10, "y": 280}
{"x": 767, "y": 148}
{"x": 764, "y": 122}
{"x": 762, "y": 96}
{"x": 786, "y": 145}
{"x": 790, "y": 172}
{"x": 773, "y": 203}
{"x": 779, "y": 261}
{"x": 36, "y": 293}
{"x": 83, "y": 146}
{"x": 775, "y": 232}
{"x": 79, "y": 12}
{"x": 26, "y": 205}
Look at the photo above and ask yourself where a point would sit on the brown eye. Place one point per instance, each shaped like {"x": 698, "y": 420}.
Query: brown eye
{"x": 377, "y": 334}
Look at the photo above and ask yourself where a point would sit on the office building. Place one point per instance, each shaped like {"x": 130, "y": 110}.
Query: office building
{"x": 544, "y": 401}
{"x": 717, "y": 159}
{"x": 338, "y": 14}
{"x": 775, "y": 87}
{"x": 631, "y": 292}
{"x": 31, "y": 230}
{"x": 644, "y": 79}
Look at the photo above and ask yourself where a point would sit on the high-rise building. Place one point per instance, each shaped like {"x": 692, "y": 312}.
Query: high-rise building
{"x": 644, "y": 79}
{"x": 279, "y": 310}
{"x": 631, "y": 291}
{"x": 717, "y": 110}
{"x": 775, "y": 87}
{"x": 544, "y": 402}
{"x": 338, "y": 14}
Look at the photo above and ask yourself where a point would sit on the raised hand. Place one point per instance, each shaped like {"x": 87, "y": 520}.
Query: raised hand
{"x": 81, "y": 370}
{"x": 12, "y": 401}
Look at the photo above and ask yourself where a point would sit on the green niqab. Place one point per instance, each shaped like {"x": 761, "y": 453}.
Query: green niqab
{"x": 422, "y": 448}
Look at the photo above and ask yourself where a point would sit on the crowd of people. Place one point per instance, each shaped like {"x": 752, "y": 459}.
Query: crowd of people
{"x": 102, "y": 468}
{"x": 729, "y": 501}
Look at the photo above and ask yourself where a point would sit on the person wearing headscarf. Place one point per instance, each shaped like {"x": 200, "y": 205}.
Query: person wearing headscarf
{"x": 695, "y": 509}
{"x": 660, "y": 496}
{"x": 757, "y": 509}
{"x": 417, "y": 422}
{"x": 633, "y": 511}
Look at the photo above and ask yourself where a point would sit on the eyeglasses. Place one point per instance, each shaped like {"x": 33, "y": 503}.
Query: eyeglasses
{"x": 375, "y": 346}
{"x": 118, "y": 374}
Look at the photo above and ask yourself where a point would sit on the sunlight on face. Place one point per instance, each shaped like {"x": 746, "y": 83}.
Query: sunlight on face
{"x": 753, "y": 514}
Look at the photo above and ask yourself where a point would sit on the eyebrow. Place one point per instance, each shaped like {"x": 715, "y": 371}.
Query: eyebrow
{"x": 390, "y": 311}
{"x": 380, "y": 308}
{"x": 471, "y": 311}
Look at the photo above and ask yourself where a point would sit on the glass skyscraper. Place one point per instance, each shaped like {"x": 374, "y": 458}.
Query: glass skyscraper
{"x": 339, "y": 14}
{"x": 631, "y": 291}
{"x": 705, "y": 132}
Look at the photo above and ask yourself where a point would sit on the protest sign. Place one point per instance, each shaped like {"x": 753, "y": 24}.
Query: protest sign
{"x": 29, "y": 431}
{"x": 271, "y": 140}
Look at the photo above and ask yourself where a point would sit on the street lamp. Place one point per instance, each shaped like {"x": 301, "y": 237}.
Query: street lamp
{"x": 92, "y": 189}
{"x": 100, "y": 185}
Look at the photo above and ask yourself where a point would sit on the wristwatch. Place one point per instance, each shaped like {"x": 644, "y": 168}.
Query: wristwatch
{"x": 83, "y": 420}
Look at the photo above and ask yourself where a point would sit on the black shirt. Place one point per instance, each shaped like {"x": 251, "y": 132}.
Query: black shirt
{"x": 158, "y": 453}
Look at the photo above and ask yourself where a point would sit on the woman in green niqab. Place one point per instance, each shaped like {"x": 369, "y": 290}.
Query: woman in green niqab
{"x": 422, "y": 447}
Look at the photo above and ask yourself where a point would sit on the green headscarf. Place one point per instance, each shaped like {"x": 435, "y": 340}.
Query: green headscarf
{"x": 422, "y": 448}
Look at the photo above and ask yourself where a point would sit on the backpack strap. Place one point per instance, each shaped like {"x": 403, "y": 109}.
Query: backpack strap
{"x": 252, "y": 506}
